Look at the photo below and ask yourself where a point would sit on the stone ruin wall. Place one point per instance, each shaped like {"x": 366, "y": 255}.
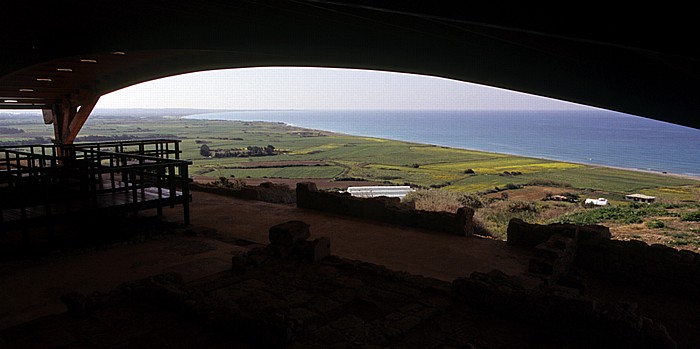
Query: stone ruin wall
{"x": 385, "y": 209}
{"x": 268, "y": 192}
{"x": 560, "y": 252}
{"x": 357, "y": 297}
{"x": 590, "y": 249}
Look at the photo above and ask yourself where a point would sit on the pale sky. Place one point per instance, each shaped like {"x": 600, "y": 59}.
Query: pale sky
{"x": 320, "y": 88}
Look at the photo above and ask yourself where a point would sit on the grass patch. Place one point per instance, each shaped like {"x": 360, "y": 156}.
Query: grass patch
{"x": 612, "y": 180}
{"x": 691, "y": 217}
{"x": 684, "y": 239}
{"x": 442, "y": 200}
{"x": 282, "y": 172}
{"x": 625, "y": 214}
{"x": 655, "y": 224}
{"x": 496, "y": 216}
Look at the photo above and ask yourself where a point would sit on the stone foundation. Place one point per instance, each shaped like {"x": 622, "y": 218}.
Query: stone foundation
{"x": 293, "y": 293}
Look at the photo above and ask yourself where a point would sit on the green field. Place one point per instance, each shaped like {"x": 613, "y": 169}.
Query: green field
{"x": 392, "y": 162}
{"x": 311, "y": 154}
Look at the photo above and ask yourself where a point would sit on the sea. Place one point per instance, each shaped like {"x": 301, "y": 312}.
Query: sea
{"x": 596, "y": 136}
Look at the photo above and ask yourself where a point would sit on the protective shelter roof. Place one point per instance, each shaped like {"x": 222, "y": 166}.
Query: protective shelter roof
{"x": 642, "y": 61}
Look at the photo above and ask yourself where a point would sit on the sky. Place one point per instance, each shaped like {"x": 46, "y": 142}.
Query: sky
{"x": 320, "y": 88}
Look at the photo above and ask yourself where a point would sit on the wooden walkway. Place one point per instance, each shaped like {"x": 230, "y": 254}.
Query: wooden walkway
{"x": 148, "y": 198}
{"x": 40, "y": 184}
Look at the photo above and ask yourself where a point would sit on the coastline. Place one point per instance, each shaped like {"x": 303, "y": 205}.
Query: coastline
{"x": 669, "y": 174}
{"x": 591, "y": 165}
{"x": 565, "y": 149}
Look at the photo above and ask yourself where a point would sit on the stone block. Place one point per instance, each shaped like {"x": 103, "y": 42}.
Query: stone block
{"x": 593, "y": 234}
{"x": 658, "y": 250}
{"x": 525, "y": 234}
{"x": 567, "y": 230}
{"x": 307, "y": 186}
{"x": 317, "y": 249}
{"x": 541, "y": 266}
{"x": 305, "y": 194}
{"x": 687, "y": 256}
{"x": 544, "y": 250}
{"x": 520, "y": 233}
{"x": 289, "y": 233}
{"x": 249, "y": 193}
{"x": 465, "y": 221}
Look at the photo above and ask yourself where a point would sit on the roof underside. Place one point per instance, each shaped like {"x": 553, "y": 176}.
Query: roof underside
{"x": 646, "y": 64}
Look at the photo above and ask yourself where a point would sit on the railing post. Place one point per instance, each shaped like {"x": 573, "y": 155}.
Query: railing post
{"x": 185, "y": 193}
{"x": 134, "y": 189}
{"x": 159, "y": 177}
{"x": 172, "y": 185}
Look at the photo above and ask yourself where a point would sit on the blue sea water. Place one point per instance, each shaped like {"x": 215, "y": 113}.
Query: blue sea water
{"x": 583, "y": 136}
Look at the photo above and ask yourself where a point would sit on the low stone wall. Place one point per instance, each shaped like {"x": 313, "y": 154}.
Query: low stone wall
{"x": 590, "y": 249}
{"x": 654, "y": 266}
{"x": 525, "y": 234}
{"x": 268, "y": 192}
{"x": 385, "y": 209}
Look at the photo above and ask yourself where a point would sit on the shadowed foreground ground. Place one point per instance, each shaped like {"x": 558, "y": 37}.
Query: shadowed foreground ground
{"x": 353, "y": 299}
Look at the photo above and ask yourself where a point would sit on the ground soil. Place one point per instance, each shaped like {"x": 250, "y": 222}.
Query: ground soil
{"x": 225, "y": 226}
{"x": 419, "y": 251}
{"x": 32, "y": 288}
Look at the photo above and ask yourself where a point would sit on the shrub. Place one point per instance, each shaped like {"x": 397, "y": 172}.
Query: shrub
{"x": 621, "y": 214}
{"x": 692, "y": 216}
{"x": 204, "y": 150}
{"x": 522, "y": 206}
{"x": 496, "y": 216}
{"x": 683, "y": 239}
{"x": 471, "y": 200}
{"x": 548, "y": 183}
{"x": 655, "y": 224}
{"x": 224, "y": 182}
{"x": 442, "y": 200}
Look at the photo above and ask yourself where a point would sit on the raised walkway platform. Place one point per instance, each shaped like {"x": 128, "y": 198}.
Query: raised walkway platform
{"x": 43, "y": 183}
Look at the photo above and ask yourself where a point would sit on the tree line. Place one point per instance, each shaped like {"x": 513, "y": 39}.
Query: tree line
{"x": 252, "y": 150}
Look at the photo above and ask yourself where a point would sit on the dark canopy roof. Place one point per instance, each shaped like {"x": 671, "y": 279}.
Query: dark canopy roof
{"x": 639, "y": 61}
